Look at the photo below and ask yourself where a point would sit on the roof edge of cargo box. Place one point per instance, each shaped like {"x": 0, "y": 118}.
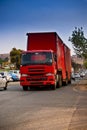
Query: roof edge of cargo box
{"x": 45, "y": 33}
{"x": 66, "y": 45}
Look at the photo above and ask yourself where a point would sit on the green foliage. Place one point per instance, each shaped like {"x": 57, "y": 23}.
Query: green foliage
{"x": 15, "y": 56}
{"x": 79, "y": 42}
{"x": 85, "y": 64}
{"x": 4, "y": 60}
{"x": 1, "y": 60}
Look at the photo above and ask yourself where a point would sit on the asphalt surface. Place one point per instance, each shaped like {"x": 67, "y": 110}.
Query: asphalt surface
{"x": 44, "y": 109}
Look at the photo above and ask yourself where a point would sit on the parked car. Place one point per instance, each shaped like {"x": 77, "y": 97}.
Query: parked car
{"x": 7, "y": 76}
{"x": 73, "y": 76}
{"x": 3, "y": 82}
{"x": 76, "y": 75}
{"x": 14, "y": 76}
{"x": 16, "y": 72}
{"x": 82, "y": 74}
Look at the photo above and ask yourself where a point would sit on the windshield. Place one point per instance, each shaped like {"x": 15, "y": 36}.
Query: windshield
{"x": 37, "y": 58}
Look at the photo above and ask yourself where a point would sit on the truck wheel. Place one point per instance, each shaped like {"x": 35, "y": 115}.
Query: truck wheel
{"x": 57, "y": 81}
{"x": 69, "y": 81}
{"x": 60, "y": 81}
{"x": 65, "y": 83}
{"x": 25, "y": 88}
{"x": 54, "y": 86}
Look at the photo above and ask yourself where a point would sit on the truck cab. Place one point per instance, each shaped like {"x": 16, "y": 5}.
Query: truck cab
{"x": 38, "y": 68}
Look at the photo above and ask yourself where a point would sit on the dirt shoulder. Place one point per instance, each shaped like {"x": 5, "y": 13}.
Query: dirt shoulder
{"x": 81, "y": 84}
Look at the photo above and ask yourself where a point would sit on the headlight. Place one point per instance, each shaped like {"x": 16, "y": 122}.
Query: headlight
{"x": 49, "y": 74}
{"x": 24, "y": 75}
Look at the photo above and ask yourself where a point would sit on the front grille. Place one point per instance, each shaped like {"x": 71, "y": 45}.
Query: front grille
{"x": 37, "y": 79}
{"x": 36, "y": 75}
{"x": 40, "y": 74}
{"x": 36, "y": 69}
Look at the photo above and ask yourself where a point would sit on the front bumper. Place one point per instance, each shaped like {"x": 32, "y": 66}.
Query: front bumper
{"x": 41, "y": 81}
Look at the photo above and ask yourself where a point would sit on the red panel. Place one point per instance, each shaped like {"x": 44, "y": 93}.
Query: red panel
{"x": 41, "y": 41}
{"x": 67, "y": 60}
{"x": 61, "y": 58}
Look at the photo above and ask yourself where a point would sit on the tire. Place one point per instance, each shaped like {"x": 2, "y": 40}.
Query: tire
{"x": 65, "y": 83}
{"x": 69, "y": 81}
{"x": 60, "y": 81}
{"x": 54, "y": 86}
{"x": 57, "y": 81}
{"x": 25, "y": 88}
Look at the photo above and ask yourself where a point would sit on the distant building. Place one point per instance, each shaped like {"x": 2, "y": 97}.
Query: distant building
{"x": 6, "y": 55}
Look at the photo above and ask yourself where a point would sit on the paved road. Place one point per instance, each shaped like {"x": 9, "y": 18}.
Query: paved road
{"x": 43, "y": 109}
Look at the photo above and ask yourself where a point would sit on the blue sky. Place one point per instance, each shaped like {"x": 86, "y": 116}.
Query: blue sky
{"x": 17, "y": 17}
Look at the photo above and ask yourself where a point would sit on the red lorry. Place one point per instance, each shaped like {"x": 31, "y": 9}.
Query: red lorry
{"x": 47, "y": 61}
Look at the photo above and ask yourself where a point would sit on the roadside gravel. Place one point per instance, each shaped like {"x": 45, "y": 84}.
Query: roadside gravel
{"x": 81, "y": 84}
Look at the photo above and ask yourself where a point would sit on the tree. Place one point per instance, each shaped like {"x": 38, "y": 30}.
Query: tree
{"x": 76, "y": 66}
{"x": 6, "y": 59}
{"x": 1, "y": 62}
{"x": 85, "y": 64}
{"x": 15, "y": 56}
{"x": 79, "y": 42}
